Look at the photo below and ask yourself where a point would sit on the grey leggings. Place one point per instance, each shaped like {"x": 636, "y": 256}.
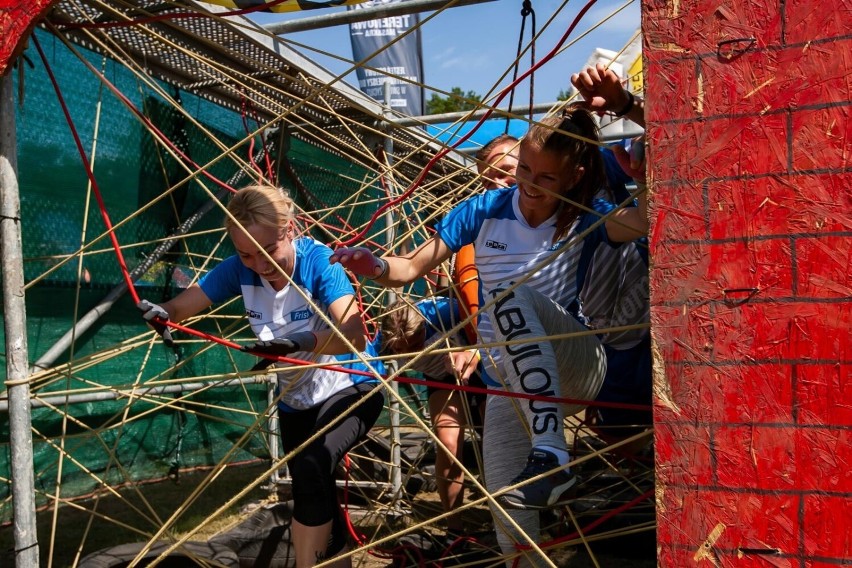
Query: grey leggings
{"x": 571, "y": 367}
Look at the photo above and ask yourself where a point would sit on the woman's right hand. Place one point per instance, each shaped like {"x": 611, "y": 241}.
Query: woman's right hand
{"x": 360, "y": 261}
{"x": 155, "y": 314}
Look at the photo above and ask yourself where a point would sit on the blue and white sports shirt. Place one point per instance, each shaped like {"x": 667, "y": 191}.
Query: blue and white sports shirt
{"x": 276, "y": 313}
{"x": 507, "y": 248}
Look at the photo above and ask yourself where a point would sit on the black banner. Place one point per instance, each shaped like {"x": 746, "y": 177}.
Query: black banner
{"x": 400, "y": 64}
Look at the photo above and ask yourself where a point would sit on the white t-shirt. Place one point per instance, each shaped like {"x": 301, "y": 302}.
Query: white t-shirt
{"x": 276, "y": 313}
{"x": 507, "y": 248}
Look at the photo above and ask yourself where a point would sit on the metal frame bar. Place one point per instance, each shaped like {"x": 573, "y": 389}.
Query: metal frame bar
{"x": 15, "y": 326}
{"x": 364, "y": 14}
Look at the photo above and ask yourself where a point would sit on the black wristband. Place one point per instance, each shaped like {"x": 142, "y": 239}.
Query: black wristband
{"x": 385, "y": 265}
{"x": 631, "y": 100}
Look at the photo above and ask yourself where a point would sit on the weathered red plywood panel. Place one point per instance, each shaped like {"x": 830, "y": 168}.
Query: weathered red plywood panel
{"x": 830, "y": 17}
{"x": 823, "y": 394}
{"x": 751, "y": 280}
{"x": 685, "y": 335}
{"x": 680, "y": 273}
{"x": 17, "y": 18}
{"x": 722, "y": 147}
{"x": 785, "y": 330}
{"x": 679, "y": 212}
{"x": 813, "y": 72}
{"x": 821, "y": 460}
{"x": 697, "y": 26}
{"x": 684, "y": 455}
{"x": 750, "y": 332}
{"x": 759, "y": 81}
{"x": 719, "y": 393}
{"x": 774, "y": 205}
{"x": 828, "y": 526}
{"x": 756, "y": 269}
{"x": 822, "y": 138}
{"x": 823, "y": 267}
{"x": 756, "y": 457}
{"x": 728, "y": 520}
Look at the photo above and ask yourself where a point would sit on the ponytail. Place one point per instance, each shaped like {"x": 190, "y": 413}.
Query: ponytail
{"x": 574, "y": 136}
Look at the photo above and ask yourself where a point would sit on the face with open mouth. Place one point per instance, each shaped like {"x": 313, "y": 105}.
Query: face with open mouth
{"x": 276, "y": 242}
{"x": 542, "y": 176}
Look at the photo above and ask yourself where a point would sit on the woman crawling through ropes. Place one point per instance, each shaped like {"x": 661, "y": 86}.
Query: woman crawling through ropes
{"x": 530, "y": 242}
{"x": 284, "y": 280}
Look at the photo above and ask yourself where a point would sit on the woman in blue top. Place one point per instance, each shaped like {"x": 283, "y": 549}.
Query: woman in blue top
{"x": 533, "y": 234}
{"x": 285, "y": 283}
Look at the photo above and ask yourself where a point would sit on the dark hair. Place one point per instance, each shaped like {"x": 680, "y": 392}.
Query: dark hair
{"x": 482, "y": 154}
{"x": 572, "y": 134}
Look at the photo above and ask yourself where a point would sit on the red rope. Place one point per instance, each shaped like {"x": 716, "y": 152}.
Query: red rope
{"x": 512, "y": 394}
{"x": 245, "y": 103}
{"x": 206, "y": 336}
{"x": 226, "y": 343}
{"x": 89, "y": 173}
{"x": 444, "y": 151}
{"x": 591, "y": 526}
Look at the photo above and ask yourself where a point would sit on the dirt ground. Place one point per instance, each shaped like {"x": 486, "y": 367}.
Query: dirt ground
{"x": 116, "y": 521}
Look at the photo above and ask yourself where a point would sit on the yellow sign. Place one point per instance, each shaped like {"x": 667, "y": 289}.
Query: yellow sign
{"x": 635, "y": 82}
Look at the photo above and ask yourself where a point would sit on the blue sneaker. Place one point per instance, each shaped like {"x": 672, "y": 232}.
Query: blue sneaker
{"x": 550, "y": 490}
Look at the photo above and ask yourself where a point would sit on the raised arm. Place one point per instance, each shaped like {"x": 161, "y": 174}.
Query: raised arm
{"x": 393, "y": 271}
{"x": 602, "y": 92}
{"x": 184, "y": 305}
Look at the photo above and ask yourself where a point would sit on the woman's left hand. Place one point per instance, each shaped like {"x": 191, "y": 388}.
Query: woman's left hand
{"x": 632, "y": 161}
{"x": 462, "y": 364}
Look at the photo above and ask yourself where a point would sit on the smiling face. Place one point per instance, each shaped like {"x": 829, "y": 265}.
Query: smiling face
{"x": 498, "y": 168}
{"x": 542, "y": 177}
{"x": 278, "y": 244}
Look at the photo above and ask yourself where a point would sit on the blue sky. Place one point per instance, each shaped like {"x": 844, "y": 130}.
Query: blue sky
{"x": 472, "y": 46}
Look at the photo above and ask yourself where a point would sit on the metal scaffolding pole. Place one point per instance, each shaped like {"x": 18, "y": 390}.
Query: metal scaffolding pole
{"x": 15, "y": 327}
{"x": 364, "y": 14}
{"x": 137, "y": 393}
{"x": 500, "y": 112}
{"x": 390, "y": 220}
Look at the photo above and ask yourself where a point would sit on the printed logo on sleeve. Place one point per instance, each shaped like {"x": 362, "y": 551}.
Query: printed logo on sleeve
{"x": 251, "y": 314}
{"x": 496, "y": 245}
{"x": 300, "y": 315}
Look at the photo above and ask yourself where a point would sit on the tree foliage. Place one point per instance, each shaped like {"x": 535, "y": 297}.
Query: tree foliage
{"x": 456, "y": 101}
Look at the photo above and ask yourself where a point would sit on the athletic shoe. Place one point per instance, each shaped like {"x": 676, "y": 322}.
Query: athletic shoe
{"x": 543, "y": 493}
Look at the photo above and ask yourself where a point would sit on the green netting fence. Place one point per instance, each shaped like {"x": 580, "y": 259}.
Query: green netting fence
{"x": 111, "y": 442}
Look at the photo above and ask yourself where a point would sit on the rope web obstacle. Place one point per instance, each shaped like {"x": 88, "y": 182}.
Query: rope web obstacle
{"x": 121, "y": 410}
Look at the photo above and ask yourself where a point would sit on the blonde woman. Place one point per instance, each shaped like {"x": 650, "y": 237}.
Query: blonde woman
{"x": 283, "y": 280}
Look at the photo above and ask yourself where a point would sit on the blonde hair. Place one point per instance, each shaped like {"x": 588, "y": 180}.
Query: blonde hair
{"x": 399, "y": 325}
{"x": 262, "y": 205}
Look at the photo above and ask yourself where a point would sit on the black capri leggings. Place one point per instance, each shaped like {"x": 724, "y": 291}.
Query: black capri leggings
{"x": 312, "y": 469}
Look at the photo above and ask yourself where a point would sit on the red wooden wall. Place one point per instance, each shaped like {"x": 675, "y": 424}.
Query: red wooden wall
{"x": 748, "y": 106}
